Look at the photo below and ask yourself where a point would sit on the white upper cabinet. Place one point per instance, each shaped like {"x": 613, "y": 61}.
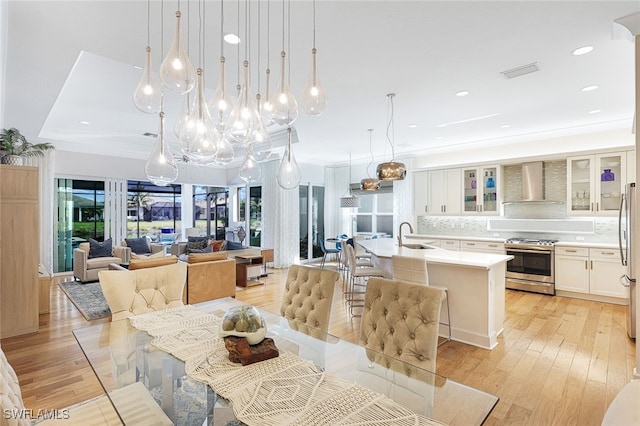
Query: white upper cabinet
{"x": 595, "y": 183}
{"x": 444, "y": 192}
{"x": 481, "y": 190}
{"x": 420, "y": 191}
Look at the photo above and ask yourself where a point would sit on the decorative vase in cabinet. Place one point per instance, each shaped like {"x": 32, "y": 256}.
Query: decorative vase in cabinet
{"x": 607, "y": 176}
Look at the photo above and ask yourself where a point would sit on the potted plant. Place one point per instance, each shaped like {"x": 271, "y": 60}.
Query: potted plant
{"x": 14, "y": 147}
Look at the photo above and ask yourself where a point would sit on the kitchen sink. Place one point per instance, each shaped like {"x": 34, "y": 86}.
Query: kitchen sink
{"x": 417, "y": 246}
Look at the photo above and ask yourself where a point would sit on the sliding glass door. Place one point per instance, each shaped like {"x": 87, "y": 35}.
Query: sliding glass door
{"x": 311, "y": 221}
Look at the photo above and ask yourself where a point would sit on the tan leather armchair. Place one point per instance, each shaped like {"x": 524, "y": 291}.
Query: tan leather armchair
{"x": 308, "y": 299}
{"x": 136, "y": 292}
{"x": 86, "y": 270}
{"x": 400, "y": 320}
{"x": 209, "y": 276}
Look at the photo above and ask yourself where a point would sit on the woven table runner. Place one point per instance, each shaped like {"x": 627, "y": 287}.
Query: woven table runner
{"x": 285, "y": 390}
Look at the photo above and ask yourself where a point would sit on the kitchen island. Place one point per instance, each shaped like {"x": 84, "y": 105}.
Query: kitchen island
{"x": 475, "y": 283}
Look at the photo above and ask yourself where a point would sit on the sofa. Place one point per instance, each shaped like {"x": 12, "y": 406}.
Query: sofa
{"x": 87, "y": 263}
{"x": 209, "y": 276}
{"x": 140, "y": 248}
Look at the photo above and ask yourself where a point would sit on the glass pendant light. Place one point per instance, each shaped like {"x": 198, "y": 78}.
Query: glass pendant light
{"x": 161, "y": 168}
{"x": 313, "y": 100}
{"x": 260, "y": 144}
{"x": 221, "y": 102}
{"x": 199, "y": 138}
{"x": 250, "y": 170}
{"x": 370, "y": 184}
{"x": 148, "y": 91}
{"x": 266, "y": 108}
{"x": 285, "y": 107}
{"x": 244, "y": 117}
{"x": 176, "y": 71}
{"x": 183, "y": 116}
{"x": 225, "y": 154}
{"x": 288, "y": 173}
{"x": 391, "y": 170}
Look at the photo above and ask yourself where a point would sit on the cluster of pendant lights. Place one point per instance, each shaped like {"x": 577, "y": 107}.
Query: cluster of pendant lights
{"x": 209, "y": 131}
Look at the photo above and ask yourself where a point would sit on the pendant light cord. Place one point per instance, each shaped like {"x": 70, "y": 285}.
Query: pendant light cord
{"x": 221, "y": 28}
{"x": 391, "y": 127}
{"x": 314, "y": 24}
{"x": 148, "y": 22}
{"x": 162, "y": 51}
{"x": 370, "y": 152}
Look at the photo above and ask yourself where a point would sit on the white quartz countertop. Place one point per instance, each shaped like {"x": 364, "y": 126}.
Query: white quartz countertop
{"x": 387, "y": 247}
{"x": 502, "y": 240}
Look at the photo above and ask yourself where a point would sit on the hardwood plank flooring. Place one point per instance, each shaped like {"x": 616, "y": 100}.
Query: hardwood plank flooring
{"x": 559, "y": 360}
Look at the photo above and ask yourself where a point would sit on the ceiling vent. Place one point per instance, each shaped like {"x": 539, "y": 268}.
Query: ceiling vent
{"x": 520, "y": 71}
{"x": 150, "y": 135}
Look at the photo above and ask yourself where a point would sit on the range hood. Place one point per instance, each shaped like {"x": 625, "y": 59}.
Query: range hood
{"x": 533, "y": 185}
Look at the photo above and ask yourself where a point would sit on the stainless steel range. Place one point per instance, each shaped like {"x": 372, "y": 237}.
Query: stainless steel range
{"x": 532, "y": 266}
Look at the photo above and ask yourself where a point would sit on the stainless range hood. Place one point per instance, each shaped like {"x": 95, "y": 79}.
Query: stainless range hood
{"x": 533, "y": 185}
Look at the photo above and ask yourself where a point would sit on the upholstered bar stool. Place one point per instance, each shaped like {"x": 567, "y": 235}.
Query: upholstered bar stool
{"x": 358, "y": 275}
{"x": 414, "y": 270}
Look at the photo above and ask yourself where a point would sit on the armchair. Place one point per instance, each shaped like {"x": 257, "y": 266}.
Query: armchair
{"x": 86, "y": 269}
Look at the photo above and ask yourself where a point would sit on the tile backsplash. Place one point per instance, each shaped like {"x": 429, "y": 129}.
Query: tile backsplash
{"x": 555, "y": 189}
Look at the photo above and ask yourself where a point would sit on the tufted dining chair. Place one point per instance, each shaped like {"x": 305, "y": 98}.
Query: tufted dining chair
{"x": 400, "y": 321}
{"x": 136, "y": 292}
{"x": 308, "y": 299}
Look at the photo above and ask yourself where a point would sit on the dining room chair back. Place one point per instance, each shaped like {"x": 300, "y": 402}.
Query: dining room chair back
{"x": 308, "y": 298}
{"x": 130, "y": 293}
{"x": 400, "y": 321}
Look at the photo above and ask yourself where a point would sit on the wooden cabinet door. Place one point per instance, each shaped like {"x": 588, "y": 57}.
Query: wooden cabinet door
{"x": 572, "y": 273}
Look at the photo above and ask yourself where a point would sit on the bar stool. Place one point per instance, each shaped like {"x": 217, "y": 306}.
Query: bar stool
{"x": 358, "y": 272}
{"x": 414, "y": 270}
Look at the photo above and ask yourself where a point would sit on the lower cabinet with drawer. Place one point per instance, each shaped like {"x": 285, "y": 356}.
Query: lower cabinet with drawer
{"x": 450, "y": 244}
{"x": 590, "y": 271}
{"x": 482, "y": 247}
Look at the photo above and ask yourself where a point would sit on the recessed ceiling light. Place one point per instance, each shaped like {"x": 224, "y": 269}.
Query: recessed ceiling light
{"x": 595, "y": 111}
{"x": 441, "y": 125}
{"x": 231, "y": 38}
{"x": 582, "y": 50}
{"x": 413, "y": 125}
{"x": 85, "y": 123}
{"x": 137, "y": 67}
{"x": 589, "y": 88}
{"x": 506, "y": 126}
{"x": 439, "y": 137}
{"x": 462, "y": 93}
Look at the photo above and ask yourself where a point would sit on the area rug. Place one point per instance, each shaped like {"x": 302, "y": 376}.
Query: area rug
{"x": 88, "y": 298}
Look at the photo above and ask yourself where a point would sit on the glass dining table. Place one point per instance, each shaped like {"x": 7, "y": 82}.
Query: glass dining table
{"x": 121, "y": 355}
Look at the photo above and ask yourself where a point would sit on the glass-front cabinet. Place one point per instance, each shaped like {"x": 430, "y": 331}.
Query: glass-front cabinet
{"x": 481, "y": 190}
{"x": 595, "y": 183}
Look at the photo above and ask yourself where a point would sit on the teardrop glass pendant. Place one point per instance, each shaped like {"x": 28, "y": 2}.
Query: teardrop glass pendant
{"x": 220, "y": 104}
{"x": 199, "y": 138}
{"x": 288, "y": 172}
{"x": 183, "y": 116}
{"x": 244, "y": 117}
{"x": 250, "y": 170}
{"x": 161, "y": 168}
{"x": 148, "y": 93}
{"x": 225, "y": 152}
{"x": 261, "y": 144}
{"x": 285, "y": 107}
{"x": 176, "y": 71}
{"x": 266, "y": 106}
{"x": 314, "y": 100}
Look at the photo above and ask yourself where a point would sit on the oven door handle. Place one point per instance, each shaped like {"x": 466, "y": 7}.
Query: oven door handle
{"x": 541, "y": 251}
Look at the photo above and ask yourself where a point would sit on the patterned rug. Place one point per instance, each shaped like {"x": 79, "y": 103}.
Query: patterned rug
{"x": 88, "y": 298}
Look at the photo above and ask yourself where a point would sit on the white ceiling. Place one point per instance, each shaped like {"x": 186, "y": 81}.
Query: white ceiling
{"x": 72, "y": 61}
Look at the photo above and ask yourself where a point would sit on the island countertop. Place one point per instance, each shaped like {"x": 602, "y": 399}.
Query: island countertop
{"x": 386, "y": 247}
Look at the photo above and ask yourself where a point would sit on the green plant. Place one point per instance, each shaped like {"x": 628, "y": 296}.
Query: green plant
{"x": 12, "y": 142}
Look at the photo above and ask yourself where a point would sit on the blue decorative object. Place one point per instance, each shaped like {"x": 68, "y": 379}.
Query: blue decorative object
{"x": 233, "y": 245}
{"x": 607, "y": 176}
{"x": 138, "y": 245}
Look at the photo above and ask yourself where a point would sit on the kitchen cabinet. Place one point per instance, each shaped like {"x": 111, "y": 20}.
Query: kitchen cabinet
{"x": 595, "y": 183}
{"x": 481, "y": 190}
{"x": 631, "y": 166}
{"x": 420, "y": 191}
{"x": 590, "y": 271}
{"x": 443, "y": 197}
{"x": 482, "y": 247}
{"x": 450, "y": 244}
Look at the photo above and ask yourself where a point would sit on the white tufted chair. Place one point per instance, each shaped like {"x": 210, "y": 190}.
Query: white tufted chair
{"x": 130, "y": 293}
{"x": 414, "y": 270}
{"x": 10, "y": 394}
{"x": 400, "y": 320}
{"x": 308, "y": 299}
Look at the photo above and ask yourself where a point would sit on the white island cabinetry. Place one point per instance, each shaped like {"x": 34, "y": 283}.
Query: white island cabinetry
{"x": 474, "y": 282}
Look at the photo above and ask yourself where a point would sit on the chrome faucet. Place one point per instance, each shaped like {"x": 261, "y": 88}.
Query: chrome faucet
{"x": 400, "y": 232}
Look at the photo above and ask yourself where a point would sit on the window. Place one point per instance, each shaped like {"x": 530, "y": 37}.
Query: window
{"x": 153, "y": 210}
{"x": 242, "y": 204}
{"x": 255, "y": 216}
{"x": 210, "y": 211}
{"x": 375, "y": 214}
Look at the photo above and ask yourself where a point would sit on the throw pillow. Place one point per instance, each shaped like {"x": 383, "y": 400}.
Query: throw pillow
{"x": 218, "y": 245}
{"x": 196, "y": 243}
{"x": 151, "y": 263}
{"x": 206, "y": 257}
{"x": 138, "y": 245}
{"x": 98, "y": 249}
{"x": 207, "y": 249}
{"x": 147, "y": 256}
{"x": 233, "y": 245}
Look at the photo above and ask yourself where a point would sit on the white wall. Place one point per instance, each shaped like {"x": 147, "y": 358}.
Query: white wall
{"x": 3, "y": 56}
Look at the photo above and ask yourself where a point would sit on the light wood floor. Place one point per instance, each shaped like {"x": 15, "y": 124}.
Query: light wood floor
{"x": 560, "y": 361}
